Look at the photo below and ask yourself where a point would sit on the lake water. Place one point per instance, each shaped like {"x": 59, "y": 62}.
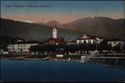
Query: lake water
{"x": 50, "y": 71}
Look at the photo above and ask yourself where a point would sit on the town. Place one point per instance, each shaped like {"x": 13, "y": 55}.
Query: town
{"x": 57, "y": 47}
{"x": 62, "y": 41}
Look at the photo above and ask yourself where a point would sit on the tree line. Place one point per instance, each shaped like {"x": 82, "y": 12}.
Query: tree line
{"x": 74, "y": 48}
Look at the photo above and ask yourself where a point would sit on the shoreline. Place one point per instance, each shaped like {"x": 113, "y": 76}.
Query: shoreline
{"x": 42, "y": 59}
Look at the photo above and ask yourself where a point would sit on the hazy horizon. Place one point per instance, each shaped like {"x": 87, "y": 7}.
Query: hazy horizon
{"x": 29, "y": 21}
{"x": 61, "y": 11}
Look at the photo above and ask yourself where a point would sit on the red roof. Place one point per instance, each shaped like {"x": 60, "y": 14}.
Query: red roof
{"x": 54, "y": 40}
{"x": 88, "y": 37}
{"x": 80, "y": 38}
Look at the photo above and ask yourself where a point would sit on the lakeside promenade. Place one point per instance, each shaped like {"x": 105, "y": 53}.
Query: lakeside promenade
{"x": 40, "y": 58}
{"x": 108, "y": 59}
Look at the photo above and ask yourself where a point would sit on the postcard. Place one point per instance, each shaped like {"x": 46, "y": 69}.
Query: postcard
{"x": 62, "y": 41}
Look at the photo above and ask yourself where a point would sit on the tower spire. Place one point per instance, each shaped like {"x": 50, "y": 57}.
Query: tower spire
{"x": 55, "y": 31}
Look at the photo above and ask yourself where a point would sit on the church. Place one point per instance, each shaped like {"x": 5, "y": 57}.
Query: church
{"x": 54, "y": 40}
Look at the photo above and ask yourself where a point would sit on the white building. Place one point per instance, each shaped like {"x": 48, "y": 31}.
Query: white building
{"x": 88, "y": 39}
{"x": 114, "y": 43}
{"x": 20, "y": 47}
{"x": 4, "y": 52}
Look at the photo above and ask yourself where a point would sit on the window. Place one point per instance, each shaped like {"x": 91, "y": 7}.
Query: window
{"x": 91, "y": 41}
{"x": 78, "y": 41}
{"x": 82, "y": 41}
{"x": 87, "y": 41}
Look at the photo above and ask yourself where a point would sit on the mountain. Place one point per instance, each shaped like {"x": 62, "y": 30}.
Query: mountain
{"x": 52, "y": 23}
{"x": 99, "y": 26}
{"x": 32, "y": 31}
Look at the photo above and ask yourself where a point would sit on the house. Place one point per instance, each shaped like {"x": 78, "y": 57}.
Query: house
{"x": 21, "y": 47}
{"x": 88, "y": 39}
{"x": 4, "y": 52}
{"x": 115, "y": 42}
{"x": 116, "y": 45}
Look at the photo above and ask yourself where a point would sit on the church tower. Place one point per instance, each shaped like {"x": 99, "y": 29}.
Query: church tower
{"x": 55, "y": 32}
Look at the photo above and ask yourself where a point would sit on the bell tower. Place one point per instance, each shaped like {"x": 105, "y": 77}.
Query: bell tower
{"x": 55, "y": 32}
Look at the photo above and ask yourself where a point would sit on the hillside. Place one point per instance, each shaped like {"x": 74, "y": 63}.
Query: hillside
{"x": 32, "y": 31}
{"x": 100, "y": 26}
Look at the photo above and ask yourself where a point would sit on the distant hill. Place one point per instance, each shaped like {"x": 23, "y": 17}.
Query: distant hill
{"x": 32, "y": 31}
{"x": 52, "y": 23}
{"x": 99, "y": 26}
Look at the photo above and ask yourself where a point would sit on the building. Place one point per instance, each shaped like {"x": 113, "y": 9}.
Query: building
{"x": 115, "y": 42}
{"x": 117, "y": 45}
{"x": 4, "y": 52}
{"x": 21, "y": 47}
{"x": 88, "y": 39}
{"x": 54, "y": 40}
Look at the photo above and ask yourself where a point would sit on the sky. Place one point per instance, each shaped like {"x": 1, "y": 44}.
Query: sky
{"x": 62, "y": 11}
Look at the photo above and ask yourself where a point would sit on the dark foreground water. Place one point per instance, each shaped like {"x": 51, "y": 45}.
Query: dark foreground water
{"x": 50, "y": 71}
